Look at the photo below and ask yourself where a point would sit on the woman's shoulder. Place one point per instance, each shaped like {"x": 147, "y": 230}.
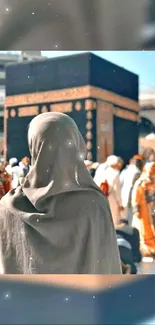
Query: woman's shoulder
{"x": 94, "y": 207}
{"x": 91, "y": 194}
{"x": 4, "y": 217}
{"x": 91, "y": 201}
{"x": 84, "y": 198}
{"x": 3, "y": 207}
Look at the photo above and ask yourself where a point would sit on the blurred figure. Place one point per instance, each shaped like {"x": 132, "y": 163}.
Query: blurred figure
{"x": 100, "y": 168}
{"x": 148, "y": 155}
{"x": 14, "y": 171}
{"x": 6, "y": 177}
{"x": 94, "y": 166}
{"x": 120, "y": 164}
{"x": 107, "y": 178}
{"x": 88, "y": 163}
{"x": 125, "y": 268}
{"x": 99, "y": 171}
{"x": 143, "y": 202}
{"x": 2, "y": 189}
{"x": 128, "y": 241}
{"x": 25, "y": 167}
{"x": 91, "y": 166}
{"x": 58, "y": 221}
{"x": 128, "y": 177}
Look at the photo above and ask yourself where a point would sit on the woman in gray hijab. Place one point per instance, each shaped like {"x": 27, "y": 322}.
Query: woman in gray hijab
{"x": 58, "y": 221}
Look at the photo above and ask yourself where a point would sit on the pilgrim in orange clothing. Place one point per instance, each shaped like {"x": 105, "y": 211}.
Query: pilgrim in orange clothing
{"x": 7, "y": 179}
{"x": 143, "y": 203}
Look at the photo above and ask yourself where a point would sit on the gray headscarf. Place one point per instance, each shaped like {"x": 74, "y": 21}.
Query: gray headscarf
{"x": 58, "y": 151}
{"x": 58, "y": 221}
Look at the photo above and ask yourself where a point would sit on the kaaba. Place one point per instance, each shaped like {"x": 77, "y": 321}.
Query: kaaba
{"x": 100, "y": 96}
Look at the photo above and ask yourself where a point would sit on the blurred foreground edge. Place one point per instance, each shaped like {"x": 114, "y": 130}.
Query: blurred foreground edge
{"x": 76, "y": 299}
{"x": 84, "y": 282}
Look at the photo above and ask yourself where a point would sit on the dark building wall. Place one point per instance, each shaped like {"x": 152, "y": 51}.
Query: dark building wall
{"x": 1, "y": 124}
{"x": 17, "y": 128}
{"x": 52, "y": 74}
{"x": 126, "y": 138}
{"x": 17, "y": 145}
{"x": 71, "y": 72}
{"x": 111, "y": 77}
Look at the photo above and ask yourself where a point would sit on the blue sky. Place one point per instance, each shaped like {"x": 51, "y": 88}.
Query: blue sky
{"x": 139, "y": 62}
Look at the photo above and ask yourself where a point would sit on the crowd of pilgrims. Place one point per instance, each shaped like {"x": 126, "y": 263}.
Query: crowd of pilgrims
{"x": 131, "y": 194}
{"x": 130, "y": 191}
{"x": 12, "y": 174}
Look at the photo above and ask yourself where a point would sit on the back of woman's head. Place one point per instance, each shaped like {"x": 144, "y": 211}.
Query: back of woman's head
{"x": 56, "y": 147}
{"x": 50, "y": 133}
{"x": 57, "y": 159}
